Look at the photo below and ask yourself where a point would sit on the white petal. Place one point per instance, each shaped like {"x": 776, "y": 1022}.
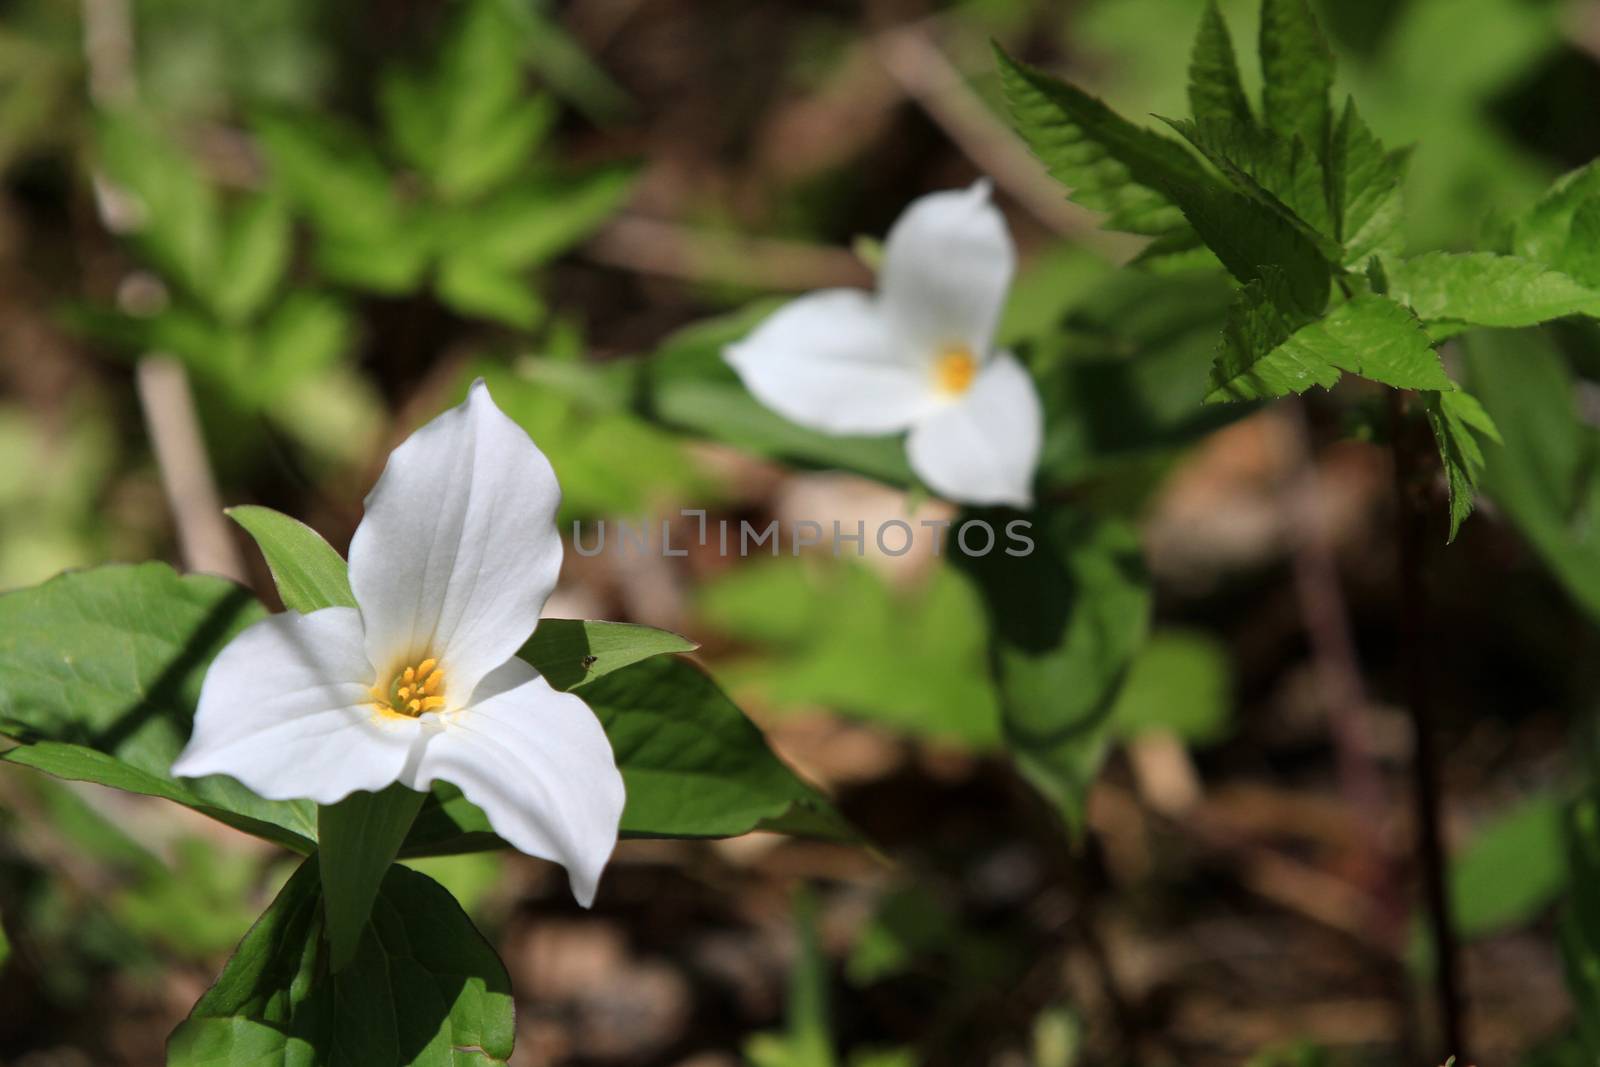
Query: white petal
{"x": 829, "y": 362}
{"x": 286, "y": 708}
{"x": 947, "y": 264}
{"x": 539, "y": 765}
{"x": 458, "y": 549}
{"x": 983, "y": 448}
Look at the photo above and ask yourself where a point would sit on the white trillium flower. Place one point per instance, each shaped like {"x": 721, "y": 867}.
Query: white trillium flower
{"x": 918, "y": 357}
{"x": 452, "y": 563}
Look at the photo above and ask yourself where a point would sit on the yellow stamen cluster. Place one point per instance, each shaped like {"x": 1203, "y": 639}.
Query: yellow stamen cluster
{"x": 954, "y": 368}
{"x": 413, "y": 691}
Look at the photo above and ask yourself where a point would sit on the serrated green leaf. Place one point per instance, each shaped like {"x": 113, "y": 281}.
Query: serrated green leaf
{"x": 255, "y": 254}
{"x": 108, "y": 663}
{"x": 1252, "y": 239}
{"x": 423, "y": 989}
{"x": 1284, "y": 176}
{"x": 1108, "y": 164}
{"x": 1365, "y": 189}
{"x": 309, "y": 574}
{"x": 694, "y": 766}
{"x": 484, "y": 289}
{"x": 1370, "y": 336}
{"x": 1485, "y": 289}
{"x": 1065, "y": 622}
{"x": 1215, "y": 91}
{"x": 357, "y": 839}
{"x": 1457, "y": 420}
{"x": 1297, "y": 71}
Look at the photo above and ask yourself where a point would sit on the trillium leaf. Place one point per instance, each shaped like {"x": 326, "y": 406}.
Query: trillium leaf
{"x": 571, "y": 653}
{"x": 423, "y": 987}
{"x": 693, "y": 764}
{"x": 309, "y": 574}
{"x": 357, "y": 840}
{"x": 106, "y": 666}
{"x": 1065, "y": 624}
{"x": 1485, "y": 289}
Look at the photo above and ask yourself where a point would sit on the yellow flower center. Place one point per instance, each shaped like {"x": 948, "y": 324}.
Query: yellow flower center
{"x": 413, "y": 691}
{"x": 954, "y": 368}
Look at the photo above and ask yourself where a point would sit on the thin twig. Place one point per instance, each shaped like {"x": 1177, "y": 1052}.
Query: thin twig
{"x": 912, "y": 59}
{"x": 1411, "y": 531}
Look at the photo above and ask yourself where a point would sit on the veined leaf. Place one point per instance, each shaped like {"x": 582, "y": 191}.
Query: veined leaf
{"x": 1485, "y": 289}
{"x": 1215, "y": 92}
{"x": 1457, "y": 419}
{"x": 1108, "y": 163}
{"x": 1370, "y": 336}
{"x": 357, "y": 839}
{"x": 1297, "y": 68}
{"x": 424, "y": 987}
{"x": 107, "y": 663}
{"x": 571, "y": 653}
{"x": 1252, "y": 240}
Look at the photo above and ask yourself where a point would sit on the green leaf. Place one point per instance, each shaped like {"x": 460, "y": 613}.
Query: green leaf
{"x": 1512, "y": 868}
{"x": 108, "y": 663}
{"x": 1457, "y": 420}
{"x": 1284, "y": 176}
{"x": 175, "y": 214}
{"x": 1065, "y": 622}
{"x": 309, "y": 574}
{"x": 1297, "y": 68}
{"x": 1542, "y": 234}
{"x": 537, "y": 219}
{"x": 807, "y": 1039}
{"x": 424, "y": 988}
{"x": 1485, "y": 289}
{"x": 1580, "y": 256}
{"x": 255, "y": 254}
{"x": 571, "y": 653}
{"x": 1365, "y": 190}
{"x": 483, "y": 289}
{"x": 1258, "y": 357}
{"x": 1215, "y": 91}
{"x": 1180, "y": 683}
{"x": 357, "y": 839}
{"x": 327, "y": 168}
{"x": 693, "y": 765}
{"x": 1109, "y": 164}
{"x": 1546, "y": 474}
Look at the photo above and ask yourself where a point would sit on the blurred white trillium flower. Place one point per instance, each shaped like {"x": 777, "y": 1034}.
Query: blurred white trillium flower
{"x": 918, "y": 357}
{"x": 451, "y": 565}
